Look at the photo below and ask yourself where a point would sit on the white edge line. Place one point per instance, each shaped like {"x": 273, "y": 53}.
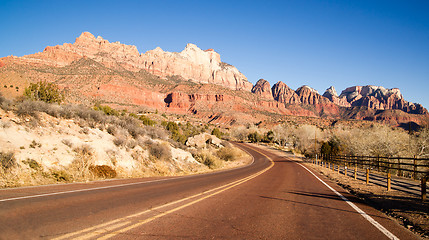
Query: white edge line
{"x": 120, "y": 185}
{"x": 360, "y": 211}
{"x": 83, "y": 190}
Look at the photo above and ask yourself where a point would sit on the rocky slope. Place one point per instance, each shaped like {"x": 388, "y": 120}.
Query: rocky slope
{"x": 193, "y": 82}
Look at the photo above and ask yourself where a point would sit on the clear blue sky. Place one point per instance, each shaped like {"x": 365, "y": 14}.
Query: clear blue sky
{"x": 315, "y": 43}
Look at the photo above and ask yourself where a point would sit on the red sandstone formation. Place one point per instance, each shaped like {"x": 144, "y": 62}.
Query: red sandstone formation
{"x": 282, "y": 93}
{"x": 192, "y": 63}
{"x": 380, "y": 98}
{"x": 262, "y": 88}
{"x": 93, "y": 69}
{"x": 308, "y": 95}
{"x": 332, "y": 95}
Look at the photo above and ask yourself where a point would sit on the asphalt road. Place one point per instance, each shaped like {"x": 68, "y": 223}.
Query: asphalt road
{"x": 273, "y": 198}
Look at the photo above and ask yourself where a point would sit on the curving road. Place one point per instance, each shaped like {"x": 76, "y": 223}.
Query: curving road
{"x": 273, "y": 198}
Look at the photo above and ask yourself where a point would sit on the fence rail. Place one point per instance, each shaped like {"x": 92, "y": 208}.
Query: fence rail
{"x": 417, "y": 168}
{"x": 401, "y": 166}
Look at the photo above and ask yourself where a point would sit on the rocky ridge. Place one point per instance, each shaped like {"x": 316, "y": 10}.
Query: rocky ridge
{"x": 192, "y": 63}
{"x": 262, "y": 88}
{"x": 380, "y": 98}
{"x": 190, "y": 82}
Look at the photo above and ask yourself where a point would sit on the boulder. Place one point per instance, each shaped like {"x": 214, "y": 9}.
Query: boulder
{"x": 202, "y": 140}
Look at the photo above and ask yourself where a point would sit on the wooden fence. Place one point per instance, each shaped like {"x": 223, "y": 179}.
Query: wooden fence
{"x": 416, "y": 168}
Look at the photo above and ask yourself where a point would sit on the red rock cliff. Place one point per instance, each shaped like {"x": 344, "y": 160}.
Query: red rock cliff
{"x": 192, "y": 63}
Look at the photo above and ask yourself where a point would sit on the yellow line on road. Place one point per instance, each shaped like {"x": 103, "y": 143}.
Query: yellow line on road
{"x": 95, "y": 230}
{"x": 142, "y": 222}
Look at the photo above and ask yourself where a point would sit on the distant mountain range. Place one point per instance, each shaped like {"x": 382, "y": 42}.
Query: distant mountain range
{"x": 194, "y": 82}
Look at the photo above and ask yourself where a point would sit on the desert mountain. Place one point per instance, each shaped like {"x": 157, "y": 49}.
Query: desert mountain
{"x": 192, "y": 63}
{"x": 194, "y": 82}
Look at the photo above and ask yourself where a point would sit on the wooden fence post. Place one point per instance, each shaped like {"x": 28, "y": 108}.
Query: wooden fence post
{"x": 399, "y": 168}
{"x": 367, "y": 176}
{"x": 338, "y": 168}
{"x": 345, "y": 169}
{"x": 415, "y": 167}
{"x": 355, "y": 172}
{"x": 423, "y": 186}
{"x": 388, "y": 181}
{"x": 378, "y": 163}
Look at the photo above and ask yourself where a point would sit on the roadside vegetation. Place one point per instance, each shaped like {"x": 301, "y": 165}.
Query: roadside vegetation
{"x": 308, "y": 140}
{"x": 56, "y": 142}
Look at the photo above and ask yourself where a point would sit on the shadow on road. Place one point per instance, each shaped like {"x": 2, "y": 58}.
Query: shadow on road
{"x": 318, "y": 195}
{"x": 316, "y": 205}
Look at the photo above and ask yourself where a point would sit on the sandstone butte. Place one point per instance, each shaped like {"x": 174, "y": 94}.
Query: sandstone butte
{"x": 193, "y": 81}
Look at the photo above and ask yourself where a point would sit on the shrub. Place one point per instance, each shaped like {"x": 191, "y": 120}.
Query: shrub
{"x": 35, "y": 144}
{"x": 44, "y": 91}
{"x": 82, "y": 162}
{"x": 61, "y": 176}
{"x": 147, "y": 121}
{"x": 2, "y": 99}
{"x": 159, "y": 151}
{"x": 208, "y": 159}
{"x": 103, "y": 171}
{"x": 27, "y": 109}
{"x": 111, "y": 130}
{"x": 269, "y": 136}
{"x": 85, "y": 149}
{"x": 171, "y": 126}
{"x": 254, "y": 137}
{"x": 134, "y": 130}
{"x": 332, "y": 147}
{"x": 217, "y": 132}
{"x": 156, "y": 133}
{"x": 228, "y": 153}
{"x": 107, "y": 110}
{"x": 7, "y": 160}
{"x": 4, "y": 103}
{"x": 119, "y": 141}
{"x": 133, "y": 127}
{"x": 33, "y": 164}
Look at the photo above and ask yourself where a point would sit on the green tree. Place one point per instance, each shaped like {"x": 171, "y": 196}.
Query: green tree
{"x": 269, "y": 136}
{"x": 331, "y": 147}
{"x": 107, "y": 110}
{"x": 147, "y": 121}
{"x": 44, "y": 91}
{"x": 254, "y": 137}
{"x": 217, "y": 132}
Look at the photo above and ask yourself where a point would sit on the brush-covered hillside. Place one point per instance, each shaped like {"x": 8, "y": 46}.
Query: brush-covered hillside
{"x": 43, "y": 143}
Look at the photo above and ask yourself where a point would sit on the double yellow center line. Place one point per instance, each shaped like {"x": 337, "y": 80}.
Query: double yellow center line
{"x": 113, "y": 228}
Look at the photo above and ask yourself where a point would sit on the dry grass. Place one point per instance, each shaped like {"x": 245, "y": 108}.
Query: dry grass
{"x": 159, "y": 151}
{"x": 229, "y": 153}
{"x": 208, "y": 158}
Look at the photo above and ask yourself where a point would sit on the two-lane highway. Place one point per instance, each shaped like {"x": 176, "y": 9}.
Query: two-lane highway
{"x": 273, "y": 198}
